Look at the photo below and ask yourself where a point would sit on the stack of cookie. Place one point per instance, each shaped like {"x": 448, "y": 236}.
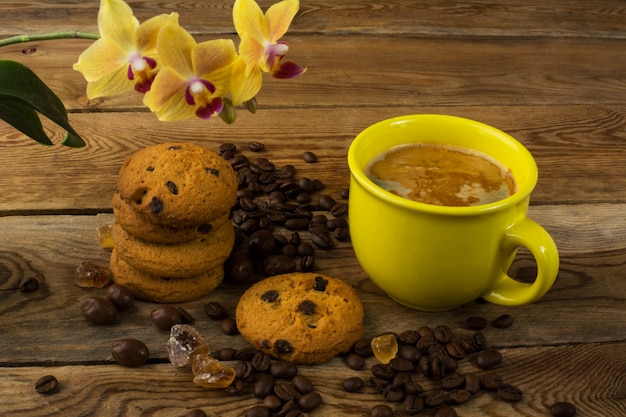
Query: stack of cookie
{"x": 172, "y": 229}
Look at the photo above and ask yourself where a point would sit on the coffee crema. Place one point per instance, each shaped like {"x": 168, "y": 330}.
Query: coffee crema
{"x": 441, "y": 175}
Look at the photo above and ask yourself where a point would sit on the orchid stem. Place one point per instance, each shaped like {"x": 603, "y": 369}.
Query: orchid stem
{"x": 48, "y": 36}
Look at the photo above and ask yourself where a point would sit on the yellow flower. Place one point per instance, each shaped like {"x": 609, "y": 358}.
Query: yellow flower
{"x": 124, "y": 58}
{"x": 193, "y": 79}
{"x": 259, "y": 49}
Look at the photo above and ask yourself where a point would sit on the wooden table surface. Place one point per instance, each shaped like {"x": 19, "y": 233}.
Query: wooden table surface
{"x": 550, "y": 73}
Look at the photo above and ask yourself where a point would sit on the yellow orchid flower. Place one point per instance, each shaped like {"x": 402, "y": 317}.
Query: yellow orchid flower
{"x": 193, "y": 79}
{"x": 124, "y": 58}
{"x": 260, "y": 49}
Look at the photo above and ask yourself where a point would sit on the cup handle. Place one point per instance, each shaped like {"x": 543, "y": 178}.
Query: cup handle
{"x": 531, "y": 235}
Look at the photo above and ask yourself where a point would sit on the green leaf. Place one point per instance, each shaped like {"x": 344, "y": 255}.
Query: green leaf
{"x": 23, "y": 118}
{"x": 19, "y": 84}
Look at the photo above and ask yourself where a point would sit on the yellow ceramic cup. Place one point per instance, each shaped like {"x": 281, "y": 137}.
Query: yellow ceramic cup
{"x": 436, "y": 258}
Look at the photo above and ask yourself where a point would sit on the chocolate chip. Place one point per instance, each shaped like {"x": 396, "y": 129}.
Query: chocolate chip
{"x": 320, "y": 284}
{"x": 205, "y": 228}
{"x": 174, "y": 148}
{"x": 307, "y": 307}
{"x": 282, "y": 347}
{"x": 156, "y": 205}
{"x": 270, "y": 296}
{"x": 213, "y": 171}
{"x": 172, "y": 187}
{"x": 150, "y": 169}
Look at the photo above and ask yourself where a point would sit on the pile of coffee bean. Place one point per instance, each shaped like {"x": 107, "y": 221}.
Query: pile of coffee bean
{"x": 269, "y": 198}
{"x": 283, "y": 391}
{"x": 435, "y": 354}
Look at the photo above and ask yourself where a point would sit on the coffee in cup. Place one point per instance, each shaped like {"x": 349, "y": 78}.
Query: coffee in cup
{"x": 442, "y": 175}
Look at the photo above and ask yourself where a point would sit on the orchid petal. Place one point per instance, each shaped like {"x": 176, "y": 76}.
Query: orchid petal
{"x": 111, "y": 84}
{"x": 279, "y": 17}
{"x": 244, "y": 87}
{"x": 167, "y": 96}
{"x": 287, "y": 70}
{"x": 117, "y": 23}
{"x": 148, "y": 31}
{"x": 174, "y": 46}
{"x": 248, "y": 18}
{"x": 101, "y": 58}
{"x": 213, "y": 60}
{"x": 252, "y": 52}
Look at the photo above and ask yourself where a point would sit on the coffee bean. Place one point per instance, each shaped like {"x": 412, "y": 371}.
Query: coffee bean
{"x": 476, "y": 323}
{"x": 166, "y": 316}
{"x": 225, "y": 354}
{"x": 488, "y": 359}
{"x": 261, "y": 362}
{"x": 307, "y": 263}
{"x": 409, "y": 352}
{"x": 196, "y": 413}
{"x": 491, "y": 381}
{"x": 322, "y": 239}
{"x": 393, "y": 393}
{"x": 228, "y": 326}
{"x": 302, "y": 384}
{"x": 243, "y": 369}
{"x": 326, "y": 202}
{"x": 130, "y": 352}
{"x": 309, "y": 157}
{"x": 509, "y": 393}
{"x": 413, "y": 387}
{"x": 472, "y": 383}
{"x": 47, "y": 384}
{"x": 261, "y": 243}
{"x": 563, "y": 409}
{"x": 443, "y": 334}
{"x": 382, "y": 410}
{"x": 255, "y": 146}
{"x": 285, "y": 391}
{"x": 29, "y": 284}
{"x": 455, "y": 350}
{"x": 288, "y": 409}
{"x": 283, "y": 369}
{"x": 310, "y": 401}
{"x": 479, "y": 341}
{"x": 235, "y": 388}
{"x": 98, "y": 310}
{"x": 399, "y": 364}
{"x": 215, "y": 311}
{"x": 434, "y": 398}
{"x": 409, "y": 337}
{"x": 187, "y": 317}
{"x": 263, "y": 386}
{"x": 413, "y": 404}
{"x": 382, "y": 371}
{"x": 355, "y": 361}
{"x": 452, "y": 381}
{"x": 278, "y": 264}
{"x": 458, "y": 397}
{"x": 502, "y": 322}
{"x": 238, "y": 267}
{"x": 353, "y": 384}
{"x": 445, "y": 411}
{"x": 363, "y": 347}
{"x": 258, "y": 411}
{"x": 121, "y": 296}
{"x": 272, "y": 402}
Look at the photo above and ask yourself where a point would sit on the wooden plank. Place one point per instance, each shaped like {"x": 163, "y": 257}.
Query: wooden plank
{"x": 579, "y": 149}
{"x": 544, "y": 374}
{"x": 407, "y": 71}
{"x": 417, "y": 17}
{"x": 51, "y": 247}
